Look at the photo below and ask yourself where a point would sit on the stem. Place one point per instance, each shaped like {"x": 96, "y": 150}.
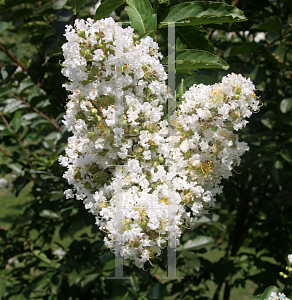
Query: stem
{"x": 4, "y": 120}
{"x": 14, "y": 59}
{"x": 227, "y": 291}
{"x": 36, "y": 110}
{"x": 155, "y": 11}
{"x": 263, "y": 49}
{"x": 217, "y": 292}
{"x": 8, "y": 155}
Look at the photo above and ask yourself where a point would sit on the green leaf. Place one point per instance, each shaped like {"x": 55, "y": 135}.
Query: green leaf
{"x": 286, "y": 105}
{"x": 249, "y": 47}
{"x": 181, "y": 89}
{"x": 73, "y": 277}
{"x": 89, "y": 278}
{"x": 193, "y": 37}
{"x": 4, "y": 26}
{"x": 2, "y": 289}
{"x": 5, "y": 90}
{"x": 77, "y": 5}
{"x": 271, "y": 24}
{"x": 142, "y": 16}
{"x": 12, "y": 105}
{"x": 156, "y": 292}
{"x": 42, "y": 256}
{"x": 202, "y": 78}
{"x": 46, "y": 213}
{"x": 197, "y": 59}
{"x": 106, "y": 8}
{"x": 59, "y": 4}
{"x": 286, "y": 155}
{"x": 196, "y": 243}
{"x": 134, "y": 280}
{"x": 145, "y": 34}
{"x": 192, "y": 260}
{"x": 56, "y": 195}
{"x": 278, "y": 164}
{"x": 211, "y": 219}
{"x": 258, "y": 297}
{"x": 190, "y": 37}
{"x": 16, "y": 121}
{"x": 268, "y": 291}
{"x": 202, "y": 13}
{"x": 16, "y": 169}
{"x": 50, "y": 43}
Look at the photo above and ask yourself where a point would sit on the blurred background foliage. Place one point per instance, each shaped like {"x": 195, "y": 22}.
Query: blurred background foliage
{"x": 50, "y": 247}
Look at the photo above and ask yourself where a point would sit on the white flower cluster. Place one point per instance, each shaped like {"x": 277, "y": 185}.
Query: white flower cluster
{"x": 138, "y": 181}
{"x": 290, "y": 258}
{"x": 279, "y": 296}
{"x": 207, "y": 149}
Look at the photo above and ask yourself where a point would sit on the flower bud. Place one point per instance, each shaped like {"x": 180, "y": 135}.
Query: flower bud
{"x": 160, "y": 159}
{"x": 238, "y": 90}
{"x": 96, "y": 179}
{"x": 155, "y": 164}
{"x": 94, "y": 168}
{"x": 81, "y": 34}
{"x": 87, "y": 185}
{"x": 87, "y": 54}
{"x": 77, "y": 174}
{"x": 97, "y": 119}
{"x": 93, "y": 111}
{"x": 90, "y": 135}
{"x": 135, "y": 131}
{"x": 135, "y": 36}
{"x": 143, "y": 223}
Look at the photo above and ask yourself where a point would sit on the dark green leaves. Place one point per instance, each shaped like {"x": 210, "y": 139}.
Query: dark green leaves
{"x": 196, "y": 243}
{"x": 198, "y": 59}
{"x": 267, "y": 293}
{"x": 106, "y": 8}
{"x": 201, "y": 13}
{"x": 16, "y": 121}
{"x": 157, "y": 291}
{"x": 142, "y": 16}
{"x": 271, "y": 24}
{"x": 192, "y": 37}
{"x": 42, "y": 256}
{"x": 191, "y": 260}
{"x": 4, "y": 26}
{"x": 77, "y": 5}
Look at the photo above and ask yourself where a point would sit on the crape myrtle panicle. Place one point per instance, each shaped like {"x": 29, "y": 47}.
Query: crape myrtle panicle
{"x": 279, "y": 296}
{"x": 115, "y": 113}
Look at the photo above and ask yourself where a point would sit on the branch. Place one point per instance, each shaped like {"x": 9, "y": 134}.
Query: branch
{"x": 36, "y": 110}
{"x": 4, "y": 120}
{"x": 14, "y": 59}
{"x": 4, "y": 152}
{"x": 15, "y": 160}
{"x": 263, "y": 49}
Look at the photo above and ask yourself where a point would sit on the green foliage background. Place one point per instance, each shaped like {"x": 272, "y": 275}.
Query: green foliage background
{"x": 244, "y": 240}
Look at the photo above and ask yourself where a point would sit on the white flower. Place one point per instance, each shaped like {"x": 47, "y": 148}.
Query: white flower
{"x": 290, "y": 258}
{"x": 60, "y": 253}
{"x": 279, "y": 296}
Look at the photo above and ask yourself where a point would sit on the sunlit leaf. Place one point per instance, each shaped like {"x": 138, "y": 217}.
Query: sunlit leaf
{"x": 201, "y": 13}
